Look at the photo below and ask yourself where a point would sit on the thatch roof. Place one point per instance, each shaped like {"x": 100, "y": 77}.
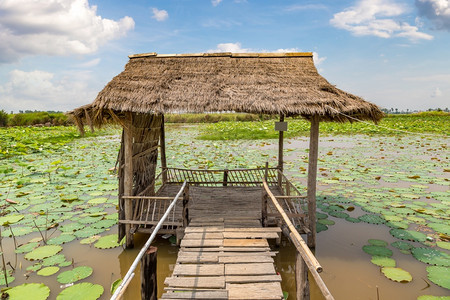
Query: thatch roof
{"x": 261, "y": 83}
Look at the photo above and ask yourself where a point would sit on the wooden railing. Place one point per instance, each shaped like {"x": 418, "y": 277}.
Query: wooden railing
{"x": 305, "y": 258}
{"x": 130, "y": 273}
{"x": 224, "y": 177}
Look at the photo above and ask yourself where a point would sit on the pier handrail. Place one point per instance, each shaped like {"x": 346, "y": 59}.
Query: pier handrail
{"x": 130, "y": 274}
{"x": 308, "y": 257}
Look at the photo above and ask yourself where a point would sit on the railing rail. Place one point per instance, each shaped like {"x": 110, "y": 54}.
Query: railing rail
{"x": 308, "y": 257}
{"x": 130, "y": 273}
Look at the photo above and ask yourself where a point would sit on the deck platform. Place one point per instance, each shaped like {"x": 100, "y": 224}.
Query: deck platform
{"x": 225, "y": 257}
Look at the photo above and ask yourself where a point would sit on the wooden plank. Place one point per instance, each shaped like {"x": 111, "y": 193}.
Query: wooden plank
{"x": 203, "y": 258}
{"x": 205, "y": 224}
{"x": 202, "y": 243}
{"x": 204, "y": 229}
{"x": 214, "y": 295}
{"x": 207, "y": 219}
{"x": 198, "y": 269}
{"x": 250, "y": 279}
{"x": 253, "y": 229}
{"x": 251, "y": 235}
{"x": 227, "y": 249}
{"x": 267, "y": 253}
{"x": 312, "y": 176}
{"x": 245, "y": 259}
{"x": 266, "y": 290}
{"x": 245, "y": 243}
{"x": 217, "y": 282}
{"x": 250, "y": 269}
{"x": 203, "y": 235}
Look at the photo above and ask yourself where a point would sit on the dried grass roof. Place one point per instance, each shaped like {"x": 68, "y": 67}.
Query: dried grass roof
{"x": 261, "y": 83}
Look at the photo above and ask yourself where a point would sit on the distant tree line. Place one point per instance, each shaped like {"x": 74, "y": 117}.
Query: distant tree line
{"x": 33, "y": 118}
{"x": 408, "y": 111}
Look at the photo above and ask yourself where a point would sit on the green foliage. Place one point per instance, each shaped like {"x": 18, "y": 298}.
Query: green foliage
{"x": 383, "y": 261}
{"x": 377, "y": 250}
{"x": 43, "y": 252}
{"x": 26, "y": 291}
{"x": 434, "y": 123}
{"x": 76, "y": 274}
{"x": 4, "y": 118}
{"x": 396, "y": 274}
{"x": 39, "y": 117}
{"x": 431, "y": 256}
{"x": 439, "y": 276}
{"x": 85, "y": 290}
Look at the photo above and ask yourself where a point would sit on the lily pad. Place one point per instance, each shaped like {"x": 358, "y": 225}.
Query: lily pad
{"x": 429, "y": 297}
{"x": 107, "y": 242}
{"x": 54, "y": 260}
{"x": 115, "y": 285}
{"x": 396, "y": 274}
{"x": 47, "y": 271}
{"x": 43, "y": 252}
{"x": 326, "y": 221}
{"x": 439, "y": 276}
{"x": 88, "y": 232}
{"x": 76, "y": 274}
{"x": 90, "y": 240}
{"x": 402, "y": 245}
{"x": 383, "y": 261}
{"x": 376, "y": 242}
{"x": 443, "y": 245}
{"x": 71, "y": 227}
{"x": 321, "y": 227}
{"x": 8, "y": 275}
{"x": 27, "y": 291}
{"x": 377, "y": 250}
{"x": 104, "y": 223}
{"x": 26, "y": 247}
{"x": 10, "y": 219}
{"x": 431, "y": 256}
{"x": 440, "y": 227}
{"x": 372, "y": 219}
{"x": 409, "y": 235}
{"x": 84, "y": 290}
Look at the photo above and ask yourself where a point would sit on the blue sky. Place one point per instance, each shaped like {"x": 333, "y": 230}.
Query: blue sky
{"x": 58, "y": 54}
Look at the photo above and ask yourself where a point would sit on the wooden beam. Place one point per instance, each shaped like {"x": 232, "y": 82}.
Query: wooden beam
{"x": 128, "y": 178}
{"x": 301, "y": 278}
{"x": 149, "y": 286}
{"x": 163, "y": 150}
{"x": 280, "y": 152}
{"x": 312, "y": 177}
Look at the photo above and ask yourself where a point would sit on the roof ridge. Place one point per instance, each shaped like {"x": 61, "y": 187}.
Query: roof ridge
{"x": 227, "y": 54}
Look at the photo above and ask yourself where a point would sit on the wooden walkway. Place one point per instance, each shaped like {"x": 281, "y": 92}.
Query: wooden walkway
{"x": 225, "y": 258}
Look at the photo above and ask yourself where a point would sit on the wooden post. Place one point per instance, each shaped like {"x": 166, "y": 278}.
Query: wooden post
{"x": 149, "y": 283}
{"x": 266, "y": 171}
{"x": 128, "y": 179}
{"x": 301, "y": 278}
{"x": 225, "y": 177}
{"x": 280, "y": 152}
{"x": 265, "y": 198}
{"x": 186, "y": 206}
{"x": 312, "y": 176}
{"x": 163, "y": 151}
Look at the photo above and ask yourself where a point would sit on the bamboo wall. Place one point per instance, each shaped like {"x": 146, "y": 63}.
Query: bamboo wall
{"x": 146, "y": 130}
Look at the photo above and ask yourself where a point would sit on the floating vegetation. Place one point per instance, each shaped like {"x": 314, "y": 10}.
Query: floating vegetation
{"x": 377, "y": 250}
{"x": 396, "y": 274}
{"x": 74, "y": 275}
{"x": 439, "y": 276}
{"x": 431, "y": 256}
{"x": 84, "y": 290}
{"x": 26, "y": 291}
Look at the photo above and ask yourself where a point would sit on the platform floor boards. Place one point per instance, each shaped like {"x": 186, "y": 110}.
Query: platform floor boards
{"x": 217, "y": 260}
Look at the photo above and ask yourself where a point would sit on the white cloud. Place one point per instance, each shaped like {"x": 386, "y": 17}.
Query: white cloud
{"x": 215, "y": 2}
{"x": 378, "y": 18}
{"x": 438, "y": 11}
{"x": 89, "y": 64}
{"x": 41, "y": 90}
{"x": 436, "y": 93}
{"x": 159, "y": 15}
{"x": 54, "y": 27}
{"x": 230, "y": 47}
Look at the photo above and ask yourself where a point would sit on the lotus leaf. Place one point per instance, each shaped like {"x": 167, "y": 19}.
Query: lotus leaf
{"x": 353, "y": 220}
{"x": 27, "y": 247}
{"x": 377, "y": 250}
{"x": 429, "y": 297}
{"x": 108, "y": 241}
{"x": 10, "y": 219}
{"x": 402, "y": 245}
{"x": 440, "y": 227}
{"x": 53, "y": 260}
{"x": 34, "y": 267}
{"x": 104, "y": 223}
{"x": 89, "y": 220}
{"x": 115, "y": 285}
{"x": 71, "y": 227}
{"x": 88, "y": 232}
{"x": 85, "y": 290}
{"x": 338, "y": 214}
{"x": 63, "y": 238}
{"x": 372, "y": 219}
{"x": 320, "y": 215}
{"x": 18, "y": 231}
{"x": 408, "y": 235}
{"x": 27, "y": 291}
{"x": 383, "y": 261}
{"x": 326, "y": 222}
{"x": 443, "y": 245}
{"x": 431, "y": 256}
{"x": 76, "y": 274}
{"x": 376, "y": 242}
{"x": 9, "y": 277}
{"x": 439, "y": 276}
{"x": 321, "y": 227}
{"x": 43, "y": 252}
{"x": 90, "y": 240}
{"x": 47, "y": 271}
{"x": 398, "y": 225}
{"x": 396, "y": 274}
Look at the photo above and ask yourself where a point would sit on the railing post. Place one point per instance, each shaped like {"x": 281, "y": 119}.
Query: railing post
{"x": 225, "y": 177}
{"x": 301, "y": 278}
{"x": 149, "y": 283}
{"x": 264, "y": 209}
{"x": 186, "y": 206}
{"x": 128, "y": 179}
{"x": 266, "y": 171}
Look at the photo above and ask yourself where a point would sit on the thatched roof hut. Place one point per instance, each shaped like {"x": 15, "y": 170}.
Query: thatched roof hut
{"x": 261, "y": 83}
{"x": 286, "y": 84}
